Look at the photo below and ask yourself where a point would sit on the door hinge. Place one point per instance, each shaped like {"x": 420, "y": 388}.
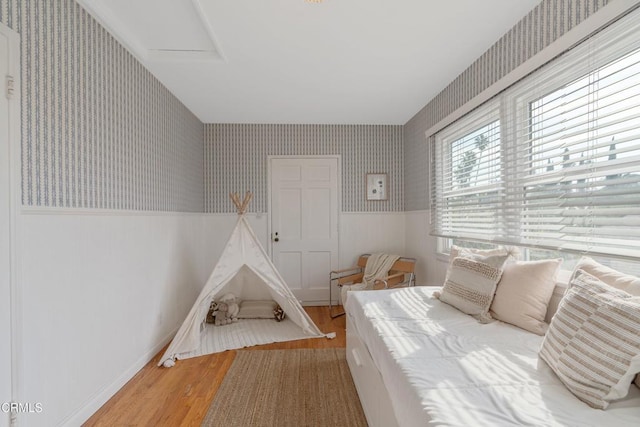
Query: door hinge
{"x": 10, "y": 87}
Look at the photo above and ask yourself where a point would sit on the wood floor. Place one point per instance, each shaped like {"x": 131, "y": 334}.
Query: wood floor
{"x": 180, "y": 396}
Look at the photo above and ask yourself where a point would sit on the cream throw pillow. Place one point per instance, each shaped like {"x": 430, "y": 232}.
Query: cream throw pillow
{"x": 524, "y": 292}
{"x": 593, "y": 343}
{"x": 257, "y": 309}
{"x": 608, "y": 275}
{"x": 470, "y": 286}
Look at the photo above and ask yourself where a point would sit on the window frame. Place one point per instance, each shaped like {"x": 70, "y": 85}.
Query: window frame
{"x": 515, "y": 104}
{"x": 472, "y": 122}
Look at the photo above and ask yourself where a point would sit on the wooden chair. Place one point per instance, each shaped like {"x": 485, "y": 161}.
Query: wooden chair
{"x": 401, "y": 274}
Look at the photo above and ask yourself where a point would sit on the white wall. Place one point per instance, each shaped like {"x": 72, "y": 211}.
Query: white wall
{"x": 101, "y": 293}
{"x": 9, "y": 133}
{"x": 5, "y": 278}
{"x": 5, "y": 232}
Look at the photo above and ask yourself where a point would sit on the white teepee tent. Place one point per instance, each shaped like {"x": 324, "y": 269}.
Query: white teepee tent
{"x": 244, "y": 269}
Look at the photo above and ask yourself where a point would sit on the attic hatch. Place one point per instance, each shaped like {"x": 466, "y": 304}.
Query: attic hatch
{"x": 179, "y": 31}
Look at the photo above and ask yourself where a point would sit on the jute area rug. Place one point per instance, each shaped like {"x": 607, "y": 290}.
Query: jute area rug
{"x": 304, "y": 387}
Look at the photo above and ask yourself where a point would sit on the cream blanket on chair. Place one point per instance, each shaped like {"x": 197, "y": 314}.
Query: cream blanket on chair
{"x": 377, "y": 267}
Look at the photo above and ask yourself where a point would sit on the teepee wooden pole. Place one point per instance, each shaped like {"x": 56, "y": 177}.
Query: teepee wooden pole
{"x": 247, "y": 198}
{"x": 241, "y": 206}
{"x": 234, "y": 199}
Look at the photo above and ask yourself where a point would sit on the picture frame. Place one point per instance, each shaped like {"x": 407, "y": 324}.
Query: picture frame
{"x": 377, "y": 186}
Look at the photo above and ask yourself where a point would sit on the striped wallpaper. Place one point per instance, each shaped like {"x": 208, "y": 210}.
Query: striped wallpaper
{"x": 416, "y": 164}
{"x": 236, "y": 160}
{"x": 543, "y": 25}
{"x": 98, "y": 130}
{"x": 10, "y": 13}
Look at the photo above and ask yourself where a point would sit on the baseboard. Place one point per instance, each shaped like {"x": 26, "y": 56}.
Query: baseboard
{"x": 96, "y": 401}
{"x": 324, "y": 302}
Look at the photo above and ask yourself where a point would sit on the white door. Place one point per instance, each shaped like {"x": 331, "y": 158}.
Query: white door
{"x": 5, "y": 230}
{"x": 304, "y": 224}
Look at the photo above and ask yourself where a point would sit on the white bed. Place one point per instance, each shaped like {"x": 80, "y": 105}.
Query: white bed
{"x": 417, "y": 361}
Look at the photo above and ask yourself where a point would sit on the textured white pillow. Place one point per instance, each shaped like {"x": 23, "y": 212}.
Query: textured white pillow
{"x": 470, "y": 286}
{"x": 493, "y": 257}
{"x": 608, "y": 275}
{"x": 593, "y": 343}
{"x": 611, "y": 277}
{"x": 524, "y": 292}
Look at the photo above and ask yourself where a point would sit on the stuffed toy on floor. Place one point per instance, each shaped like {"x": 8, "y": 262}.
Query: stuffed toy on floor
{"x": 226, "y": 310}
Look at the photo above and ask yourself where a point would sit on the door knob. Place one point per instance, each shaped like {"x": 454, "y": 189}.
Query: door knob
{"x": 276, "y": 238}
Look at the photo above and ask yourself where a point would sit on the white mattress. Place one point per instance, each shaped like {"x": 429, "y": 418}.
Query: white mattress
{"x": 245, "y": 333}
{"x": 442, "y": 367}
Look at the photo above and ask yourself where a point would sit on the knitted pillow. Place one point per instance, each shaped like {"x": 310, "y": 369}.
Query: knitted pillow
{"x": 457, "y": 251}
{"x": 593, "y": 343}
{"x": 470, "y": 286}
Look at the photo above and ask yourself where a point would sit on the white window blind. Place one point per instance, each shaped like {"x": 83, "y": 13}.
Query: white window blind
{"x": 563, "y": 171}
{"x": 471, "y": 189}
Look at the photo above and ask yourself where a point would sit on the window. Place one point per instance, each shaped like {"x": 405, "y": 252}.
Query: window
{"x": 554, "y": 162}
{"x": 475, "y": 158}
{"x": 582, "y": 190}
{"x": 470, "y": 177}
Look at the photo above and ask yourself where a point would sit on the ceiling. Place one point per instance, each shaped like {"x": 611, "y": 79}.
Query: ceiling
{"x": 295, "y": 61}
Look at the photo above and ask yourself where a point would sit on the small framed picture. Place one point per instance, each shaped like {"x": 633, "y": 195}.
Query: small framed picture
{"x": 377, "y": 186}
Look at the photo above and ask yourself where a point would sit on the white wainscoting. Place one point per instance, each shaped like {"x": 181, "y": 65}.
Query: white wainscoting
{"x": 364, "y": 232}
{"x": 359, "y": 233}
{"x": 101, "y": 294}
